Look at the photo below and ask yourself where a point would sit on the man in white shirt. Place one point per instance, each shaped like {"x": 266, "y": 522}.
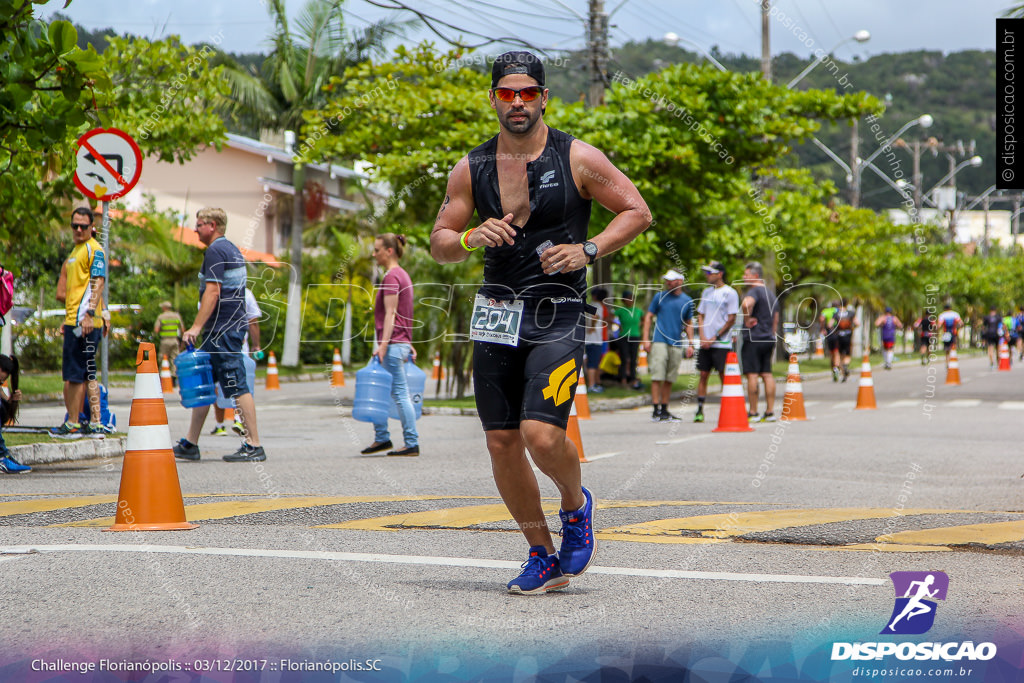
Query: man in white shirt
{"x": 716, "y": 315}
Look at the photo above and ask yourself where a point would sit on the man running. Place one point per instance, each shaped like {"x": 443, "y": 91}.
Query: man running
{"x": 887, "y": 324}
{"x": 949, "y": 324}
{"x": 532, "y": 186}
{"x": 991, "y": 333}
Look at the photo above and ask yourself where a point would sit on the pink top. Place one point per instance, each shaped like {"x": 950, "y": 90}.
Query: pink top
{"x": 396, "y": 281}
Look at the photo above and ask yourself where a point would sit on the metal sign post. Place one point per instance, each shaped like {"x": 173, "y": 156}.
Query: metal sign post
{"x": 108, "y": 165}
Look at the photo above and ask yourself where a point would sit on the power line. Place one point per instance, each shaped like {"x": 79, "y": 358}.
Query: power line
{"x": 429, "y": 22}
{"x": 537, "y": 16}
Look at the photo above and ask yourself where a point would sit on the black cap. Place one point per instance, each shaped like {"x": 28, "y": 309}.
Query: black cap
{"x": 517, "y": 62}
{"x": 713, "y": 267}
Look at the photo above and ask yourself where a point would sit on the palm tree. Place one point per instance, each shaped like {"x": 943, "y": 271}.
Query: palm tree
{"x": 291, "y": 82}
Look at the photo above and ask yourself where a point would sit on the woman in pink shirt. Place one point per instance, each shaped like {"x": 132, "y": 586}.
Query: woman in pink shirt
{"x": 392, "y": 316}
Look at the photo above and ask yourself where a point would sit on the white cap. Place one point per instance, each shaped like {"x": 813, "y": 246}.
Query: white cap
{"x": 673, "y": 275}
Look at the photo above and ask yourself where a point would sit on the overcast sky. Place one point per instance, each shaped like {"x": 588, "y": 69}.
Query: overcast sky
{"x": 733, "y": 25}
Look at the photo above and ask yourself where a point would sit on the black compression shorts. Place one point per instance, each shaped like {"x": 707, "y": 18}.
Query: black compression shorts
{"x": 535, "y": 380}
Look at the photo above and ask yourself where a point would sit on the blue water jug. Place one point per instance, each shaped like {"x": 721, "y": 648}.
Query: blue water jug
{"x": 195, "y": 378}
{"x": 373, "y": 393}
{"x": 416, "y": 380}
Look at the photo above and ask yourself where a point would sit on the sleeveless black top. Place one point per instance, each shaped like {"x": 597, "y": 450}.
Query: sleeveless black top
{"x": 557, "y": 213}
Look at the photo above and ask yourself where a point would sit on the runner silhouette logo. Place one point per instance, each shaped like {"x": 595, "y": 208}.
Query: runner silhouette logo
{"x": 916, "y": 593}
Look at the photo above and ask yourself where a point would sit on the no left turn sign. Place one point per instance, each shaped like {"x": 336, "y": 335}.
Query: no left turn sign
{"x": 108, "y": 164}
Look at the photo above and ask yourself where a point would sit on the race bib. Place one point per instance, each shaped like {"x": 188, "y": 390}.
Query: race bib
{"x": 947, "y": 336}
{"x": 496, "y": 321}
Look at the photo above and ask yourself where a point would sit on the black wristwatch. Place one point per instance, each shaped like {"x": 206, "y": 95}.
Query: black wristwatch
{"x": 590, "y": 250}
{"x": 91, "y": 312}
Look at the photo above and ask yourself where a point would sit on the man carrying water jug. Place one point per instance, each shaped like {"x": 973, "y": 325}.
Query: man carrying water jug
{"x": 532, "y": 187}
{"x": 221, "y": 320}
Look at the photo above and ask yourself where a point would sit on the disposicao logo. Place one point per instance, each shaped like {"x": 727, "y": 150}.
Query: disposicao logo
{"x": 913, "y": 614}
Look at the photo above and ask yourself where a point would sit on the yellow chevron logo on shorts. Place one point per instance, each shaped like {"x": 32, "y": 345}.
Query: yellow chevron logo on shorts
{"x": 559, "y": 382}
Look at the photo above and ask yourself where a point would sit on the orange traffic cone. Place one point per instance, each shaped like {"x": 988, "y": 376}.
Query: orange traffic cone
{"x": 581, "y": 402}
{"x": 229, "y": 415}
{"x": 272, "y": 381}
{"x": 337, "y": 372}
{"x": 819, "y": 348}
{"x": 166, "y": 383}
{"x": 1004, "y": 356}
{"x": 793, "y": 401}
{"x": 953, "y": 368}
{"x": 641, "y": 363}
{"x": 438, "y": 371}
{"x": 572, "y": 431}
{"x": 150, "y": 495}
{"x": 732, "y": 417}
{"x": 866, "y": 388}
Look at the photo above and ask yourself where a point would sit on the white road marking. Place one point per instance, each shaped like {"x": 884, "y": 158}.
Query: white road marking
{"x": 905, "y": 403}
{"x": 672, "y": 442}
{"x": 423, "y": 560}
{"x": 964, "y": 403}
{"x": 1011, "y": 405}
{"x": 602, "y": 456}
{"x": 844, "y": 405}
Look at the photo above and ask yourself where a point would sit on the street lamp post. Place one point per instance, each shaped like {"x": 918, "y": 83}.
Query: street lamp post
{"x": 673, "y": 40}
{"x": 974, "y": 161}
{"x": 861, "y": 36}
{"x": 925, "y": 121}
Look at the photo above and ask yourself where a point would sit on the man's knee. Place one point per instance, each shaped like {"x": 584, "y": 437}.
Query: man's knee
{"x": 541, "y": 437}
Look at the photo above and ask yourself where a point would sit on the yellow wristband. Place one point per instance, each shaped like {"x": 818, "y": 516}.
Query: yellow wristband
{"x": 462, "y": 240}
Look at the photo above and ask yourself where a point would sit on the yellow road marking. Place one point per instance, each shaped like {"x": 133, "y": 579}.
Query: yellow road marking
{"x": 223, "y": 510}
{"x": 23, "y": 507}
{"x": 889, "y": 548}
{"x": 449, "y": 518}
{"x": 983, "y": 534}
{"x": 738, "y": 524}
{"x": 632, "y": 538}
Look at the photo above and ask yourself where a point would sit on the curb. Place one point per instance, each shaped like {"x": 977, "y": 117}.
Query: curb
{"x": 80, "y": 449}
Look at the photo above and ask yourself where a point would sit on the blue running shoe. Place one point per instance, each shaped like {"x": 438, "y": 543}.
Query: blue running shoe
{"x": 9, "y": 465}
{"x": 578, "y": 544}
{"x": 540, "y": 574}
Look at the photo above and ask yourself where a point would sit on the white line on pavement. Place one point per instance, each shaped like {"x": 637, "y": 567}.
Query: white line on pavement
{"x": 964, "y": 403}
{"x": 441, "y": 562}
{"x": 905, "y": 403}
{"x": 602, "y": 456}
{"x": 1011, "y": 405}
{"x": 675, "y": 441}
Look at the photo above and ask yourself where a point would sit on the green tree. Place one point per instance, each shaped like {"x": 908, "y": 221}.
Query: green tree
{"x": 292, "y": 81}
{"x": 158, "y": 92}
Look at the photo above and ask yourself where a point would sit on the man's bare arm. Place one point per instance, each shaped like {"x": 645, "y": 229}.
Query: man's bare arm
{"x": 455, "y": 214}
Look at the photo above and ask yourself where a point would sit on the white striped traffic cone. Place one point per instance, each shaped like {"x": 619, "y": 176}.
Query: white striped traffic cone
{"x": 732, "y": 416}
{"x": 337, "y": 371}
{"x": 150, "y": 495}
{"x": 866, "y": 387}
{"x": 581, "y": 402}
{"x": 793, "y": 401}
{"x": 272, "y": 381}
{"x": 953, "y": 368}
{"x": 572, "y": 431}
{"x": 166, "y": 381}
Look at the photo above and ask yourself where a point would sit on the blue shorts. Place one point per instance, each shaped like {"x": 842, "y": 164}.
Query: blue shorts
{"x": 79, "y": 359}
{"x": 250, "y": 378}
{"x": 225, "y": 351}
{"x": 594, "y": 354}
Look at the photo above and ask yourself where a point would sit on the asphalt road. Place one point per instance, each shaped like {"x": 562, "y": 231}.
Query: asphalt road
{"x": 399, "y": 564}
